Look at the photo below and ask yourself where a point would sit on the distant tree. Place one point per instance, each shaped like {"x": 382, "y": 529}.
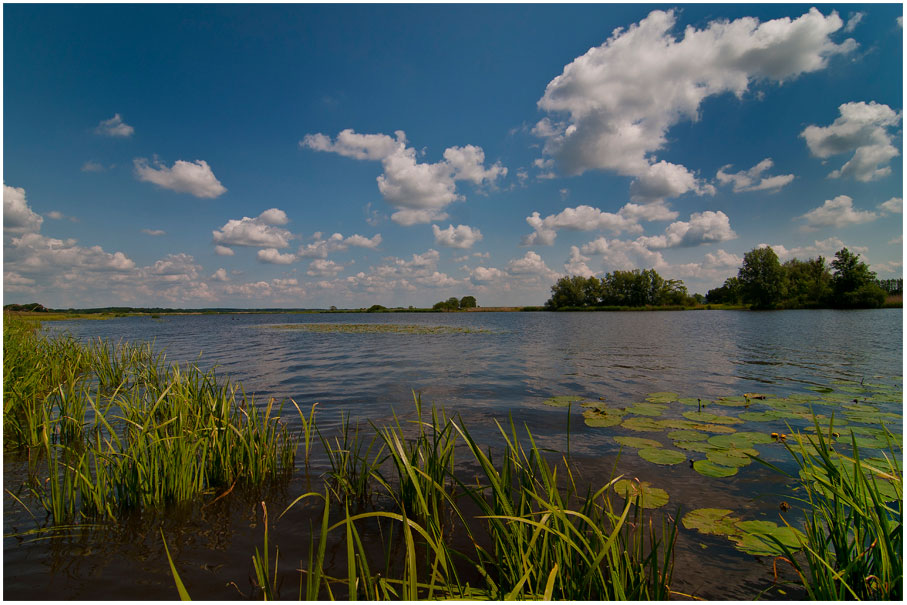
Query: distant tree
{"x": 376, "y": 309}
{"x": 762, "y": 278}
{"x": 567, "y": 292}
{"x": 892, "y": 286}
{"x": 853, "y": 284}
{"x": 468, "y": 302}
{"x": 730, "y": 293}
{"x": 808, "y": 282}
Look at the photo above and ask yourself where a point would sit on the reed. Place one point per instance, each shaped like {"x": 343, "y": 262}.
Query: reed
{"x": 114, "y": 428}
{"x": 854, "y": 533}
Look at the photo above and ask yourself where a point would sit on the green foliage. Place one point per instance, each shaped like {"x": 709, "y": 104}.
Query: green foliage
{"x": 762, "y": 278}
{"x": 468, "y": 302}
{"x": 634, "y": 288}
{"x": 376, "y": 309}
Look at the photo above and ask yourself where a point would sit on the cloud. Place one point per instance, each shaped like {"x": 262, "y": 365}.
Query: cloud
{"x": 487, "y": 274}
{"x": 585, "y": 218}
{"x": 91, "y": 166}
{"x": 663, "y": 180}
{"x": 826, "y": 248}
{"x": 154, "y": 232}
{"x": 611, "y": 108}
{"x": 195, "y": 178}
{"x": 324, "y": 268}
{"x": 576, "y": 264}
{"x": 33, "y": 252}
{"x": 531, "y": 264}
{"x": 272, "y": 255}
{"x": 220, "y": 275}
{"x": 703, "y": 228}
{"x": 223, "y": 251}
{"x": 260, "y": 231}
{"x": 18, "y": 217}
{"x": 895, "y": 205}
{"x": 753, "y": 179}
{"x": 862, "y": 128}
{"x": 461, "y": 236}
{"x": 419, "y": 191}
{"x": 320, "y": 248}
{"x": 114, "y": 127}
{"x": 837, "y": 212}
{"x": 853, "y": 20}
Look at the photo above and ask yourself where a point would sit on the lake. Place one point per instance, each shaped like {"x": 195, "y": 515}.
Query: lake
{"x": 486, "y": 367}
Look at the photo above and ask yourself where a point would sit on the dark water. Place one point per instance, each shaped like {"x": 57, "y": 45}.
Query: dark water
{"x": 505, "y": 365}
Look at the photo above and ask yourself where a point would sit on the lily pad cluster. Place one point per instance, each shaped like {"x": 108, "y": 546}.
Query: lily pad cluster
{"x": 707, "y": 431}
{"x": 764, "y": 538}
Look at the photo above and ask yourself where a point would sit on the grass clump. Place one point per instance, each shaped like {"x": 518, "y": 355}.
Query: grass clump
{"x": 113, "y": 428}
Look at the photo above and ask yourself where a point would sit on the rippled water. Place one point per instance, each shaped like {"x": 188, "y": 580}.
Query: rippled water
{"x": 506, "y": 365}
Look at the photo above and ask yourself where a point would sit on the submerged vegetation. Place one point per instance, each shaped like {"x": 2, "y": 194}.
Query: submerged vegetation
{"x": 110, "y": 429}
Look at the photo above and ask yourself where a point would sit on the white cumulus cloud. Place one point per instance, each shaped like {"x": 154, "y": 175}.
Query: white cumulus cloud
{"x": 702, "y": 228}
{"x": 18, "y": 217}
{"x": 320, "y": 248}
{"x": 256, "y": 232}
{"x": 837, "y": 212}
{"x": 895, "y": 205}
{"x": 461, "y": 236}
{"x": 195, "y": 178}
{"x": 862, "y": 128}
{"x": 612, "y": 107}
{"x": 273, "y": 255}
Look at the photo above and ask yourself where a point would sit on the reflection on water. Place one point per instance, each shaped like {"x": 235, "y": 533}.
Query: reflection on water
{"x": 506, "y": 366}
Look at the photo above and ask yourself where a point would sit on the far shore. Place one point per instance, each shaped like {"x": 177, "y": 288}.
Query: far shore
{"x": 44, "y": 314}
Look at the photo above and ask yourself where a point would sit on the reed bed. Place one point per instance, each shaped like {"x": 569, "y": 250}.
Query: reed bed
{"x": 111, "y": 428}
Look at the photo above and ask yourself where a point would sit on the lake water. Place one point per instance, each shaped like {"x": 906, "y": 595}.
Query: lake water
{"x": 498, "y": 366}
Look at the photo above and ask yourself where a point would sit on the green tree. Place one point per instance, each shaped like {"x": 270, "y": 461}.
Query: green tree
{"x": 468, "y": 302}
{"x": 567, "y": 292}
{"x": 729, "y": 293}
{"x": 762, "y": 278}
{"x": 808, "y": 282}
{"x": 853, "y": 284}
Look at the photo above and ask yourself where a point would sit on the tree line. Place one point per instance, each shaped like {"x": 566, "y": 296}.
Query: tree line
{"x": 636, "y": 288}
{"x": 763, "y": 282}
{"x": 455, "y": 304}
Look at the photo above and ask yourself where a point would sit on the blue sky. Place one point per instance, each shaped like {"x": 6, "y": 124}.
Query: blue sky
{"x": 350, "y": 155}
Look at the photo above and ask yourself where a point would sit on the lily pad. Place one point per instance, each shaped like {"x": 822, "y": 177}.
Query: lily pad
{"x": 649, "y": 497}
{"x": 687, "y": 435}
{"x": 637, "y": 442}
{"x": 693, "y": 401}
{"x": 562, "y": 401}
{"x": 639, "y": 423}
{"x": 714, "y": 428}
{"x": 709, "y": 418}
{"x": 710, "y": 469}
{"x": 598, "y": 418}
{"x": 759, "y": 540}
{"x": 733, "y": 400}
{"x": 702, "y": 447}
{"x": 713, "y": 521}
{"x": 742, "y": 439}
{"x": 662, "y": 456}
{"x": 758, "y": 416}
{"x": 733, "y": 457}
{"x": 661, "y": 397}
{"x": 647, "y": 409}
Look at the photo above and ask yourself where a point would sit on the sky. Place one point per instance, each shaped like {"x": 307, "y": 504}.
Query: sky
{"x": 304, "y": 156}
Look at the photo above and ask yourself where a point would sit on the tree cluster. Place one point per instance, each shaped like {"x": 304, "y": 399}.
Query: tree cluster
{"x": 634, "y": 288}
{"x": 763, "y": 282}
{"x": 455, "y": 304}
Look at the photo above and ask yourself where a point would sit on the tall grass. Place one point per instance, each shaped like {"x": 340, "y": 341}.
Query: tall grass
{"x": 113, "y": 428}
{"x": 854, "y": 532}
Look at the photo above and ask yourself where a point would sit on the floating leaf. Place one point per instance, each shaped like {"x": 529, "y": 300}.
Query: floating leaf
{"x": 713, "y": 521}
{"x": 647, "y": 409}
{"x": 639, "y": 423}
{"x": 662, "y": 456}
{"x": 710, "y": 469}
{"x": 678, "y": 423}
{"x": 733, "y": 457}
{"x": 687, "y": 435}
{"x": 649, "y": 497}
{"x": 714, "y": 428}
{"x": 597, "y": 418}
{"x": 637, "y": 442}
{"x": 742, "y": 439}
{"x": 702, "y": 447}
{"x": 759, "y": 540}
{"x": 562, "y": 401}
{"x": 693, "y": 401}
{"x": 661, "y": 397}
{"x": 820, "y": 389}
{"x": 758, "y": 416}
{"x": 734, "y": 400}
{"x": 708, "y": 417}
